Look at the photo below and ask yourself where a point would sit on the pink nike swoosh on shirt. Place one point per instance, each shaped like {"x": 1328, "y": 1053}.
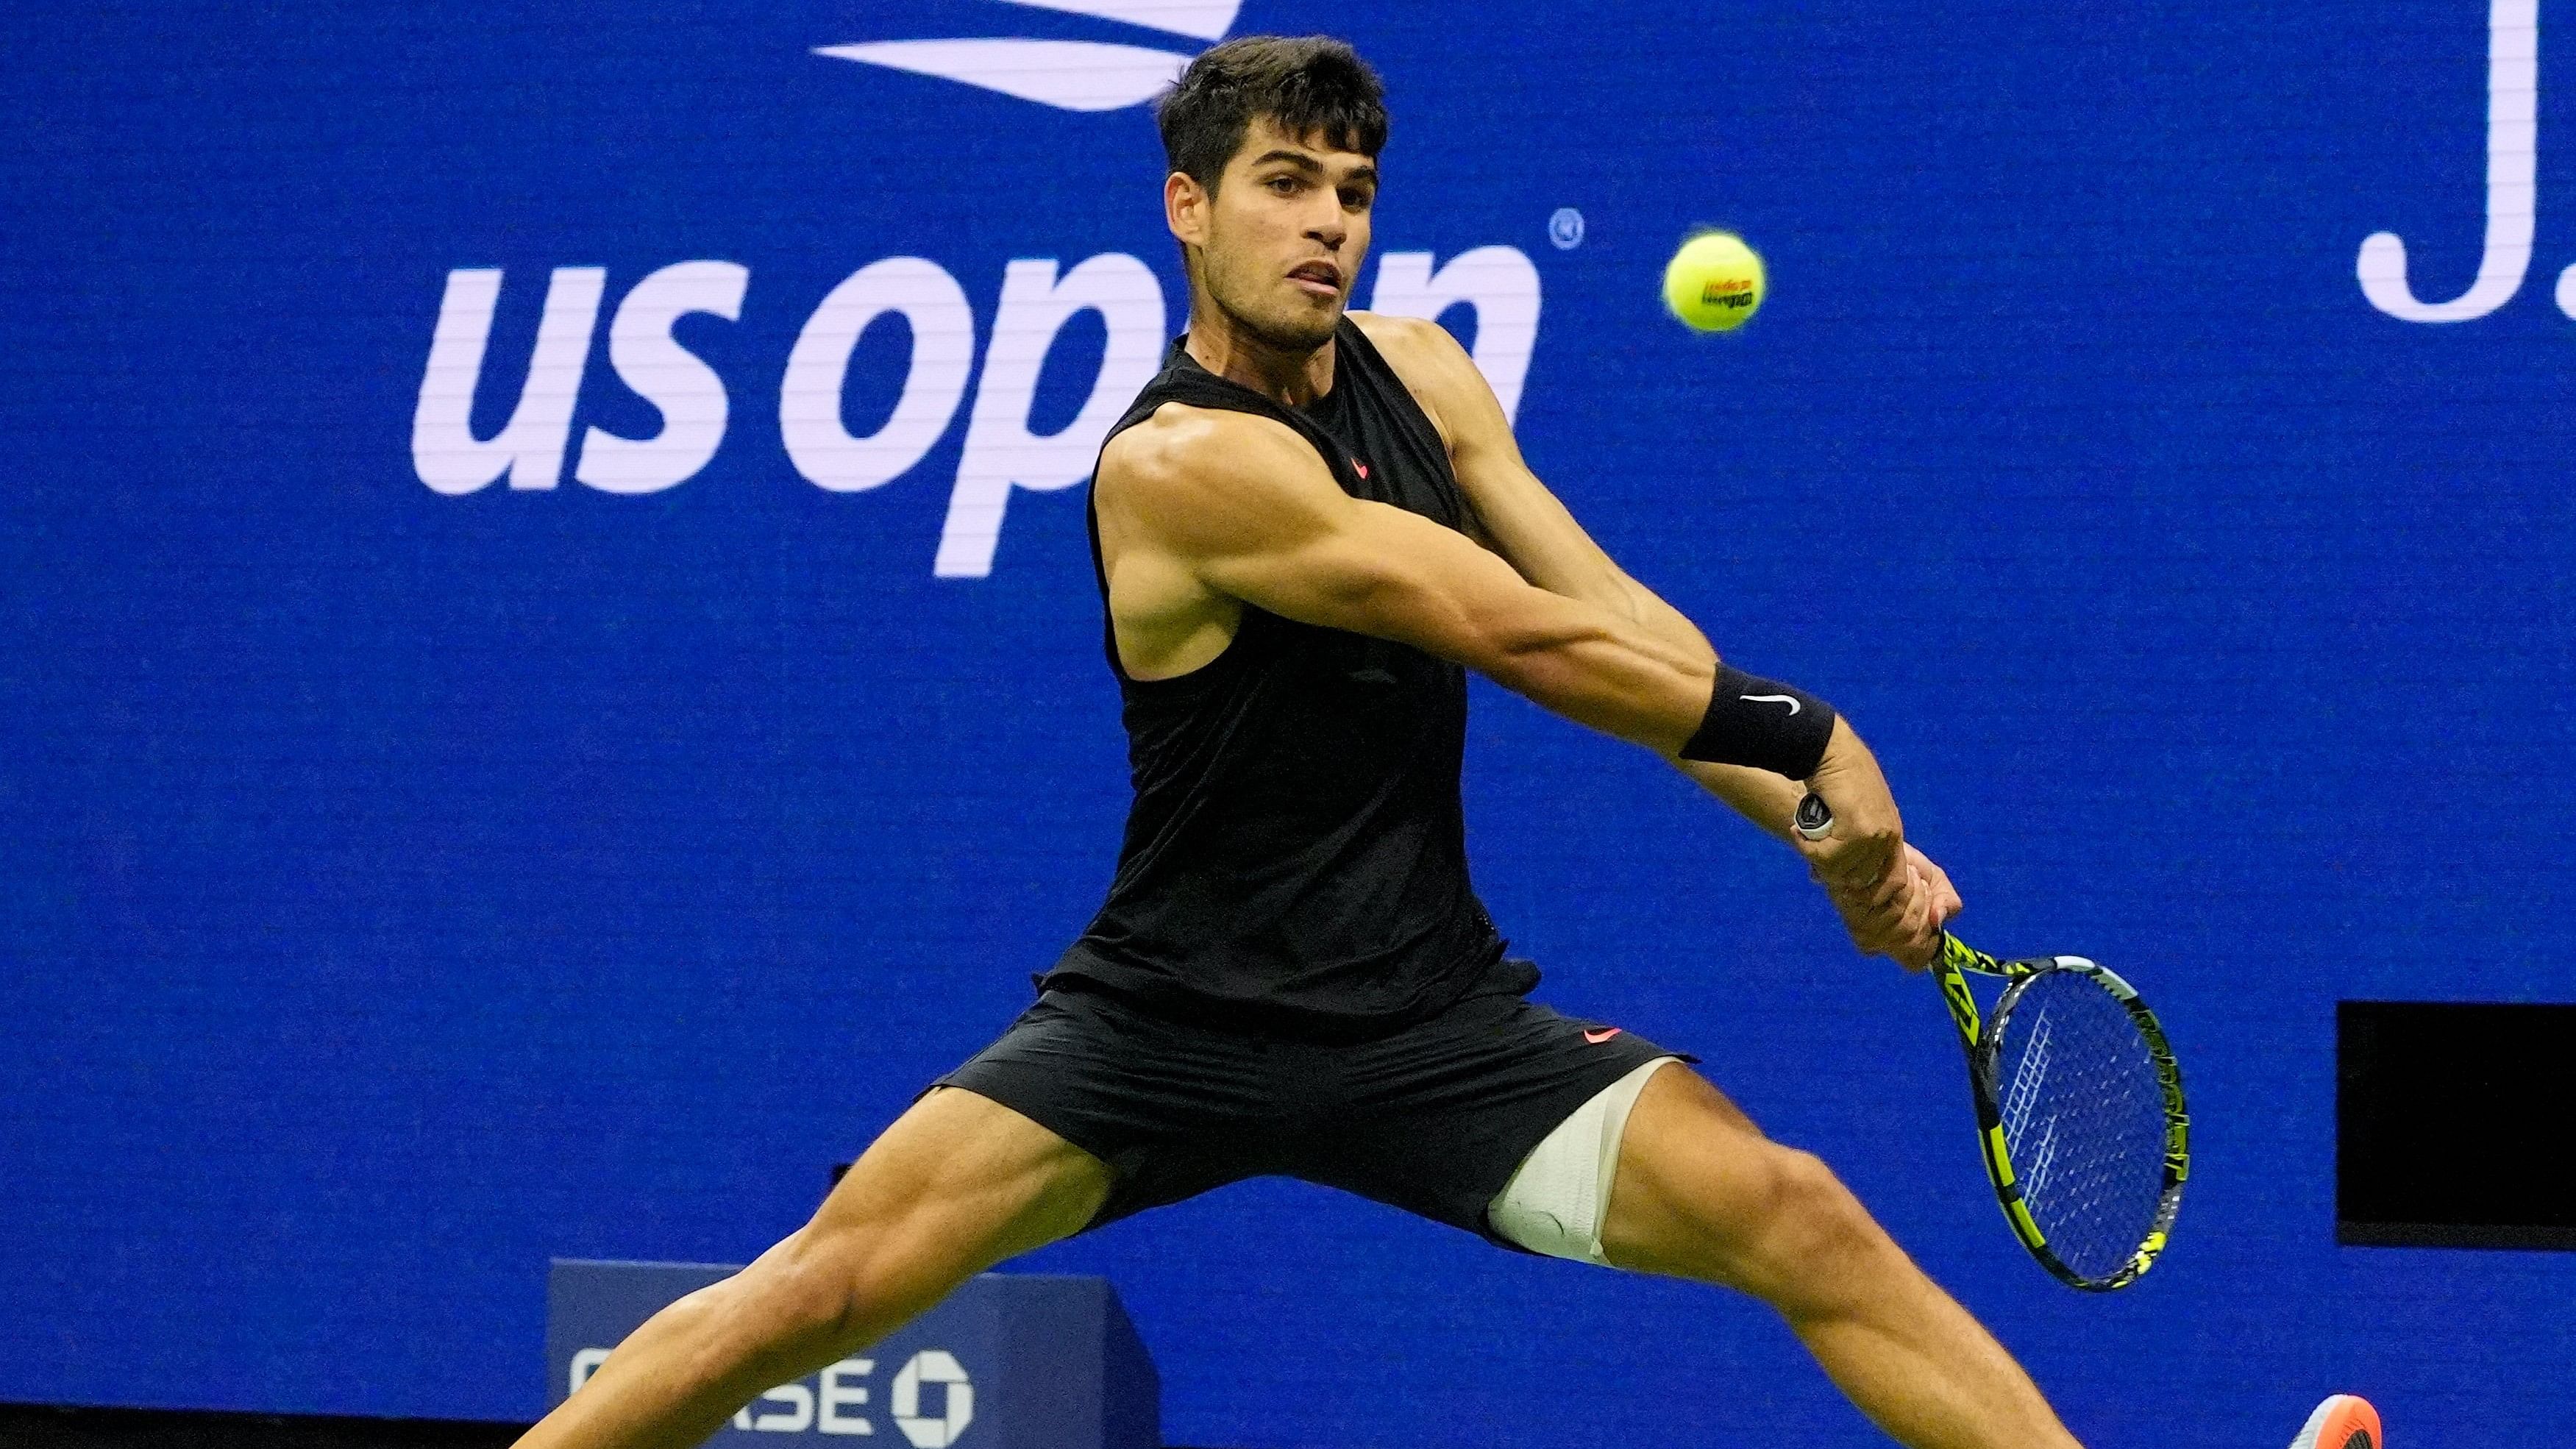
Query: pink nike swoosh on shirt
{"x": 1598, "y": 1037}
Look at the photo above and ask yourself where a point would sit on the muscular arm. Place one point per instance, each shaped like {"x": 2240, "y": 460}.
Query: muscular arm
{"x": 1240, "y": 507}
{"x": 1888, "y": 909}
{"x": 1534, "y": 532}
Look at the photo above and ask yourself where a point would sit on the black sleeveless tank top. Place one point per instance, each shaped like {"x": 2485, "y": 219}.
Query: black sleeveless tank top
{"x": 1295, "y": 859}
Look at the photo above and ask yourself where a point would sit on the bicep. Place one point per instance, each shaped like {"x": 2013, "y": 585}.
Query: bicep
{"x": 1379, "y": 570}
{"x": 1536, "y": 532}
{"x": 1252, "y": 514}
{"x": 1246, "y": 508}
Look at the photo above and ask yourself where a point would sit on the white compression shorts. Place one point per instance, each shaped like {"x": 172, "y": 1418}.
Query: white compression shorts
{"x": 1558, "y": 1197}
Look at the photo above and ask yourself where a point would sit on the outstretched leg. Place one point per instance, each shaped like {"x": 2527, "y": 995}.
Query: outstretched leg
{"x": 957, "y": 1184}
{"x": 1701, "y": 1193}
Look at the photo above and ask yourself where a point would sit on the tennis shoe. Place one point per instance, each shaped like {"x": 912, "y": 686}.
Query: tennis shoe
{"x": 2343, "y": 1421}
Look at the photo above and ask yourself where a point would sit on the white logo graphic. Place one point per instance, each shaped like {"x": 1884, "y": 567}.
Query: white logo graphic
{"x": 933, "y": 1366}
{"x": 1772, "y": 699}
{"x": 1001, "y": 453}
{"x": 2513, "y": 144}
{"x": 825, "y": 1407}
{"x": 1070, "y": 75}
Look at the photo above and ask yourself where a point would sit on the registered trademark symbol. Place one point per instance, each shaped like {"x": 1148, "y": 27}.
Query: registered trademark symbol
{"x": 1565, "y": 228}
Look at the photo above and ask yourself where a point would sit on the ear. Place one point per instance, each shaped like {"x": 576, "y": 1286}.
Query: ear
{"x": 1185, "y": 208}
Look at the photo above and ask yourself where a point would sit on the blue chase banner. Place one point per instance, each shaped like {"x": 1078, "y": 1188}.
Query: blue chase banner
{"x": 1008, "y": 1361}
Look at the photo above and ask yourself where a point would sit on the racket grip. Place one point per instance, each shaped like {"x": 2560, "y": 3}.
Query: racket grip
{"x": 1814, "y": 819}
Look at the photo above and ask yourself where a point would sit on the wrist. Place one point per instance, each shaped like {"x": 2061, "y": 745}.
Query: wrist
{"x": 1762, "y": 724}
{"x": 1843, "y": 754}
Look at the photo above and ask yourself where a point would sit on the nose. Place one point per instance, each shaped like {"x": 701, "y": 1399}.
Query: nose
{"x": 1330, "y": 231}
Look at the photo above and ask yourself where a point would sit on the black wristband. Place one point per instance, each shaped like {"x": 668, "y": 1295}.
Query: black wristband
{"x": 1763, "y": 724}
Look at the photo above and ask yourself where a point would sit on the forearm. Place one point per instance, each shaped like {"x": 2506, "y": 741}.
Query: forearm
{"x": 1608, "y": 587}
{"x": 1609, "y": 674}
{"x": 1549, "y": 551}
{"x": 1766, "y": 799}
{"x": 1858, "y": 869}
{"x": 1606, "y": 678}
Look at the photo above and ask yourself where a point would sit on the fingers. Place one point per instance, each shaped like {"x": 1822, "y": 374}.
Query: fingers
{"x": 1901, "y": 916}
{"x": 1915, "y": 926}
{"x": 1920, "y": 936}
{"x": 1861, "y": 852}
{"x": 1853, "y": 860}
{"x": 1945, "y": 897}
{"x": 1892, "y": 899}
{"x": 1883, "y": 919}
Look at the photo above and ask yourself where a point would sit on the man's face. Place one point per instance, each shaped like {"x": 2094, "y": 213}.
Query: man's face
{"x": 1281, "y": 241}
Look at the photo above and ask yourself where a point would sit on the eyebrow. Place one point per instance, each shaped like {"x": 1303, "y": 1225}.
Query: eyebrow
{"x": 1310, "y": 165}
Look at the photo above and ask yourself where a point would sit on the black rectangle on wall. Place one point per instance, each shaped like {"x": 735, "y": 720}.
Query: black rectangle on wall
{"x": 2455, "y": 1124}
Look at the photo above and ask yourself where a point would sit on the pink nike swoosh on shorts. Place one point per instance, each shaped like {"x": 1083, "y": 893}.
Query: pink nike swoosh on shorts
{"x": 1598, "y": 1037}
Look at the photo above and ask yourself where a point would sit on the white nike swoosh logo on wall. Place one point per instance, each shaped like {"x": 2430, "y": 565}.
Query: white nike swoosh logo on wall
{"x": 1070, "y": 75}
{"x": 1202, "y": 19}
{"x": 1772, "y": 699}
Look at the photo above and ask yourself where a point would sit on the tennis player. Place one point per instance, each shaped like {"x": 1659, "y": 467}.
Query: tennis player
{"x": 1308, "y": 528}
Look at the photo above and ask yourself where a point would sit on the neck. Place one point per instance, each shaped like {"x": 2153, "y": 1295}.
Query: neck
{"x": 1291, "y": 377}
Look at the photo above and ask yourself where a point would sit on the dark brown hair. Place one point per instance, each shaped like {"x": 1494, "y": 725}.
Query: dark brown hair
{"x": 1311, "y": 85}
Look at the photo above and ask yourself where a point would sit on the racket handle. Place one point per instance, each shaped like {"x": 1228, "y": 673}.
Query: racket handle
{"x": 1815, "y": 819}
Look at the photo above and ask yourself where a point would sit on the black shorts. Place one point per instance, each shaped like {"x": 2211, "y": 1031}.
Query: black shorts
{"x": 1433, "y": 1119}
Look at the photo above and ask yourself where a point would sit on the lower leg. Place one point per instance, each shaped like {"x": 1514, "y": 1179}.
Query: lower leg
{"x": 675, "y": 1380}
{"x": 1921, "y": 1367}
{"x": 1701, "y": 1194}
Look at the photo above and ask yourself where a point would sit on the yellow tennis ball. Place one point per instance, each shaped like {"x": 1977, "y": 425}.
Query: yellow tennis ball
{"x": 1714, "y": 282}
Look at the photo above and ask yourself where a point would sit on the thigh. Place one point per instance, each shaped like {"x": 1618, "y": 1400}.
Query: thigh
{"x": 1436, "y": 1119}
{"x": 1172, "y": 1109}
{"x": 957, "y": 1155}
{"x": 1697, "y": 1183}
{"x": 957, "y": 1184}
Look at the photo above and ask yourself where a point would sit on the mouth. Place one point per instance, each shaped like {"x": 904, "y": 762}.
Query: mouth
{"x": 1319, "y": 279}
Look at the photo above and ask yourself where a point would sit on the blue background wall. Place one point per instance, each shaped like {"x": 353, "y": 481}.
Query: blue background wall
{"x": 397, "y": 889}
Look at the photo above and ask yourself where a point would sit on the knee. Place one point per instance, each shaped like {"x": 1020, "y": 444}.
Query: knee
{"x": 1810, "y": 1201}
{"x": 1803, "y": 1231}
{"x": 818, "y": 1292}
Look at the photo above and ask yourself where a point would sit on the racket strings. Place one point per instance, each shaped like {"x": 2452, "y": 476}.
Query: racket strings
{"x": 2083, "y": 1120}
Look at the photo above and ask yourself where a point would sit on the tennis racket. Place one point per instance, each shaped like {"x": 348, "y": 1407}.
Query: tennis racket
{"x": 2080, "y": 1117}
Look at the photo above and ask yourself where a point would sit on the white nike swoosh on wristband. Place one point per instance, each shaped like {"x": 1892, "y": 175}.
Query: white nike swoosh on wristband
{"x": 1772, "y": 699}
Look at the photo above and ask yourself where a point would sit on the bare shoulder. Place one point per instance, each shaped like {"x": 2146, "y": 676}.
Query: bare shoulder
{"x": 1183, "y": 450}
{"x": 1436, "y": 370}
{"x": 1415, "y": 340}
{"x": 1197, "y": 476}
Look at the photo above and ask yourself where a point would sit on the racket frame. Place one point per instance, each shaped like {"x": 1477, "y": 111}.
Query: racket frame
{"x": 1975, "y": 1036}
